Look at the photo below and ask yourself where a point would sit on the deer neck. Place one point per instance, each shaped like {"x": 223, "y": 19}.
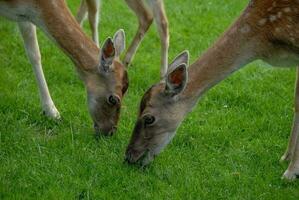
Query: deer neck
{"x": 57, "y": 21}
{"x": 235, "y": 49}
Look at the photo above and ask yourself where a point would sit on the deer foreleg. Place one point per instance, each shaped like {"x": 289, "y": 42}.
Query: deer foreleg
{"x": 145, "y": 19}
{"x": 82, "y": 12}
{"x": 28, "y": 32}
{"x": 93, "y": 17}
{"x": 162, "y": 24}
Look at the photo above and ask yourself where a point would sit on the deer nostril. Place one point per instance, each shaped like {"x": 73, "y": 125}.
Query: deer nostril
{"x": 110, "y": 132}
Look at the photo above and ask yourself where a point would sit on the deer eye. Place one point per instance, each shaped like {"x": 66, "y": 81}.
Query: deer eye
{"x": 113, "y": 100}
{"x": 149, "y": 119}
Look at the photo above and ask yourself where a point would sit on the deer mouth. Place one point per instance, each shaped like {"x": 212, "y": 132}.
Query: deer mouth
{"x": 104, "y": 132}
{"x": 142, "y": 158}
{"x": 145, "y": 156}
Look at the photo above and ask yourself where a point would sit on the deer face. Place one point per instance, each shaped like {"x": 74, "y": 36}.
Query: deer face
{"x": 106, "y": 87}
{"x": 160, "y": 114}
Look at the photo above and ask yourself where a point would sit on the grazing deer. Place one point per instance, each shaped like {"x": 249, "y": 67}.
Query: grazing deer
{"x": 145, "y": 18}
{"x": 266, "y": 30}
{"x": 104, "y": 76}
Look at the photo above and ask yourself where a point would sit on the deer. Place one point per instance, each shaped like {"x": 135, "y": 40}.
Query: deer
{"x": 103, "y": 74}
{"x": 145, "y": 19}
{"x": 266, "y": 30}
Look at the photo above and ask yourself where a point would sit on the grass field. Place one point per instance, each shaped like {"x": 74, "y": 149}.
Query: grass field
{"x": 228, "y": 147}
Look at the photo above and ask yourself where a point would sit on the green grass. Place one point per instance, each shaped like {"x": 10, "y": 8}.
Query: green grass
{"x": 227, "y": 148}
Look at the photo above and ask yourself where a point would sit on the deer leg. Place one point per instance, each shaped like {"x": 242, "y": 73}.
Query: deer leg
{"x": 162, "y": 23}
{"x": 295, "y": 130}
{"x": 28, "y": 32}
{"x": 293, "y": 169}
{"x": 292, "y": 152}
{"x": 93, "y": 17}
{"x": 145, "y": 19}
{"x": 82, "y": 12}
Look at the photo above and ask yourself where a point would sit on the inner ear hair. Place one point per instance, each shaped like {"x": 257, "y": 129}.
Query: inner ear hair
{"x": 107, "y": 55}
{"x": 108, "y": 49}
{"x": 176, "y": 80}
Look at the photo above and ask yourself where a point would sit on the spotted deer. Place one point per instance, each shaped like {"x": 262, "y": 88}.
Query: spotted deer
{"x": 104, "y": 76}
{"x": 145, "y": 18}
{"x": 266, "y": 30}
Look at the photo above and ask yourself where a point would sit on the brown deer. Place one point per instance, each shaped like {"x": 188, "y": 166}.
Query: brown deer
{"x": 101, "y": 71}
{"x": 145, "y": 18}
{"x": 266, "y": 30}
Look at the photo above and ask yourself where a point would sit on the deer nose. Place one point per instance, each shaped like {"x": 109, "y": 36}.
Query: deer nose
{"x": 132, "y": 155}
{"x": 112, "y": 131}
{"x": 104, "y": 131}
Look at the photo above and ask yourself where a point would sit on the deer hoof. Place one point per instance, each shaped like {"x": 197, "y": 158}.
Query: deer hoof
{"x": 52, "y": 112}
{"x": 290, "y": 175}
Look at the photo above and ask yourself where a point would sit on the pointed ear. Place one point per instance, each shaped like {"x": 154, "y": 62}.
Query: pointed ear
{"x": 180, "y": 59}
{"x": 119, "y": 41}
{"x": 107, "y": 55}
{"x": 176, "y": 80}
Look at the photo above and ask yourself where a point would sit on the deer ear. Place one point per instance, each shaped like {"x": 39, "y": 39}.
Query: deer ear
{"x": 119, "y": 41}
{"x": 180, "y": 59}
{"x": 107, "y": 55}
{"x": 176, "y": 79}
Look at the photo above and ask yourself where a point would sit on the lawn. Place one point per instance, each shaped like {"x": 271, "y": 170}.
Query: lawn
{"x": 228, "y": 148}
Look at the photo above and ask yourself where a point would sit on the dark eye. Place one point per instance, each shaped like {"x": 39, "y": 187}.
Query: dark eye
{"x": 149, "y": 119}
{"x": 113, "y": 100}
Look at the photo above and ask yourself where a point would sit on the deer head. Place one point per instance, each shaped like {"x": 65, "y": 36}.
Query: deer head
{"x": 160, "y": 114}
{"x": 107, "y": 86}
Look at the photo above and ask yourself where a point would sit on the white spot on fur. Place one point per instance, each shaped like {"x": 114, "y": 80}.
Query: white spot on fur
{"x": 262, "y": 22}
{"x": 69, "y": 28}
{"x": 279, "y": 14}
{"x": 277, "y": 30}
{"x": 287, "y": 9}
{"x": 245, "y": 29}
{"x": 54, "y": 3}
{"x": 272, "y": 18}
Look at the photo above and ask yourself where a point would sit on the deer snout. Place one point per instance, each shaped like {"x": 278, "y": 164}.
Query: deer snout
{"x": 104, "y": 131}
{"x": 134, "y": 156}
